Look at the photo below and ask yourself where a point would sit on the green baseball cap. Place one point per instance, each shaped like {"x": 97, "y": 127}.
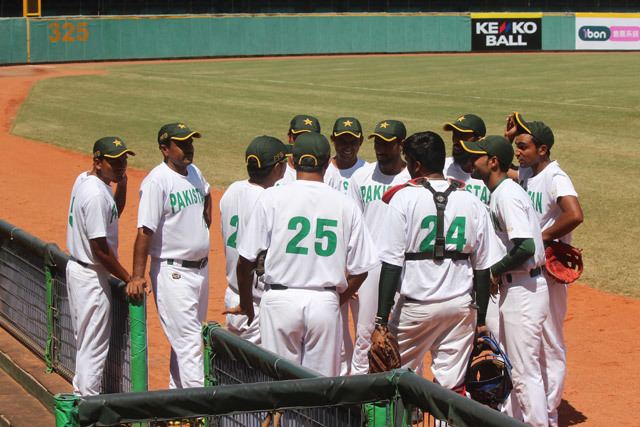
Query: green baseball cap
{"x": 304, "y": 123}
{"x": 492, "y": 145}
{"x": 177, "y": 132}
{"x": 347, "y": 125}
{"x": 467, "y": 123}
{"x": 390, "y": 131}
{"x": 311, "y": 149}
{"x": 265, "y": 151}
{"x": 540, "y": 131}
{"x": 111, "y": 147}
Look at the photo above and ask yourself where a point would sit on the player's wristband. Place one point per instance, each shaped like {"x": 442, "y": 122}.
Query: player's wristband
{"x": 379, "y": 321}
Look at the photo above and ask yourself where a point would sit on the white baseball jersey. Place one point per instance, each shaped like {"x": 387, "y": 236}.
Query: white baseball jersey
{"x": 410, "y": 226}
{"x": 290, "y": 175}
{"x": 472, "y": 185}
{"x": 311, "y": 245}
{"x": 92, "y": 214}
{"x": 236, "y": 205}
{"x": 172, "y": 206}
{"x": 367, "y": 186}
{"x": 513, "y": 217}
{"x": 339, "y": 178}
{"x": 544, "y": 190}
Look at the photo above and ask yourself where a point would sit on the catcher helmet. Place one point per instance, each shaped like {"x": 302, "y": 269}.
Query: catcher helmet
{"x": 488, "y": 379}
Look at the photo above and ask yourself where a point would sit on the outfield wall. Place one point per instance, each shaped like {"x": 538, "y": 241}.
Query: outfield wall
{"x": 60, "y": 39}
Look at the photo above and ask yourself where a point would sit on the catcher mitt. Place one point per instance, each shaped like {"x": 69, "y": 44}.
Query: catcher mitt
{"x": 564, "y": 262}
{"x": 383, "y": 354}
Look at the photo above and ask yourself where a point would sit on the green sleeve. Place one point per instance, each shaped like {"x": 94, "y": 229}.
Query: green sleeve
{"x": 389, "y": 279}
{"x": 481, "y": 286}
{"x": 522, "y": 250}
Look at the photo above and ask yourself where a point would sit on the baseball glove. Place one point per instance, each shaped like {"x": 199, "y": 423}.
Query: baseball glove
{"x": 383, "y": 354}
{"x": 564, "y": 262}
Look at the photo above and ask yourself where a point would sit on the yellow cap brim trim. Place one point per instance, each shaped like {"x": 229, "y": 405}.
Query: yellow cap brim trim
{"x": 357, "y": 135}
{"x": 468, "y": 150}
{"x": 520, "y": 122}
{"x": 253, "y": 156}
{"x": 315, "y": 159}
{"x": 115, "y": 156}
{"x": 193, "y": 134}
{"x": 383, "y": 137}
{"x": 295, "y": 132}
{"x": 447, "y": 126}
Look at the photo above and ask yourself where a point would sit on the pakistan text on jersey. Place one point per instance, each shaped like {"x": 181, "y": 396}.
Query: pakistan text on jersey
{"x": 185, "y": 198}
{"x": 370, "y": 193}
{"x": 536, "y": 199}
{"x": 480, "y": 192}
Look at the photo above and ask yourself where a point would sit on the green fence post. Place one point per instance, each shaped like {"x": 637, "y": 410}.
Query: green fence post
{"x": 49, "y": 351}
{"x": 138, "y": 336}
{"x": 66, "y": 410}
{"x": 209, "y": 377}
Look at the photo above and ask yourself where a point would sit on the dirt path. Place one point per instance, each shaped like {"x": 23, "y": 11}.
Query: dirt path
{"x": 602, "y": 330}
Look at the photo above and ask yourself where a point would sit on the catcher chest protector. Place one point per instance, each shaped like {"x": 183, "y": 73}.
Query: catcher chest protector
{"x": 440, "y": 198}
{"x": 488, "y": 379}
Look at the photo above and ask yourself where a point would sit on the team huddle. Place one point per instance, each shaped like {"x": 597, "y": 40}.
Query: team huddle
{"x": 423, "y": 251}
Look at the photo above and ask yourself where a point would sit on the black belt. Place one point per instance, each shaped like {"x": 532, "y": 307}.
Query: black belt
{"x": 202, "y": 263}
{"x": 532, "y": 273}
{"x": 419, "y": 256}
{"x": 77, "y": 261}
{"x": 279, "y": 287}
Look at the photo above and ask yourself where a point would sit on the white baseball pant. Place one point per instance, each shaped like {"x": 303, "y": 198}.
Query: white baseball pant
{"x": 346, "y": 350}
{"x": 445, "y": 328}
{"x": 365, "y": 321}
{"x": 237, "y": 323}
{"x": 524, "y": 305}
{"x": 90, "y": 304}
{"x": 554, "y": 353}
{"x": 181, "y": 296}
{"x": 304, "y": 326}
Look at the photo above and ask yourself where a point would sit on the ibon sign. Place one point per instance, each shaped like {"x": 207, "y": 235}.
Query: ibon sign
{"x": 506, "y": 34}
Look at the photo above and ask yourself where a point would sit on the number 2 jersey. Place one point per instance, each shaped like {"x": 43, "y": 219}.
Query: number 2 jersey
{"x": 410, "y": 226}
{"x": 236, "y": 205}
{"x": 314, "y": 235}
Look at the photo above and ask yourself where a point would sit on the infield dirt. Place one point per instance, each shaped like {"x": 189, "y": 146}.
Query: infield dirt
{"x": 601, "y": 329}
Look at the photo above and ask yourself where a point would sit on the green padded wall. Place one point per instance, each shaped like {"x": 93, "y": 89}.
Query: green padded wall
{"x": 13, "y": 40}
{"x": 166, "y": 37}
{"x": 559, "y": 32}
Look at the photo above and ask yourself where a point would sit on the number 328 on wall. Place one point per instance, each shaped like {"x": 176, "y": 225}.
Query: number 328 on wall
{"x": 68, "y": 32}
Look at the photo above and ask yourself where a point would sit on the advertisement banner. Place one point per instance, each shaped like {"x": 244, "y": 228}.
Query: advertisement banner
{"x": 607, "y": 32}
{"x": 500, "y": 32}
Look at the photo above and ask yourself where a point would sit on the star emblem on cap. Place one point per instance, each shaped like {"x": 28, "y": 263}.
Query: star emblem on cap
{"x": 384, "y": 125}
{"x": 308, "y": 121}
{"x": 460, "y": 119}
{"x": 117, "y": 143}
{"x": 181, "y": 126}
{"x": 348, "y": 123}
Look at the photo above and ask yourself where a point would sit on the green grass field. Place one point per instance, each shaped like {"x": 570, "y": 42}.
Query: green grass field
{"x": 591, "y": 100}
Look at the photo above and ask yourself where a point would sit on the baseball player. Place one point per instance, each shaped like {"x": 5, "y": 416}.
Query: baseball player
{"x": 556, "y": 204}
{"x": 439, "y": 235}
{"x": 92, "y": 241}
{"x": 173, "y": 227}
{"x": 367, "y": 186}
{"x": 266, "y": 159}
{"x": 302, "y": 123}
{"x": 524, "y": 297}
{"x": 318, "y": 254}
{"x": 347, "y": 138}
{"x": 467, "y": 127}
